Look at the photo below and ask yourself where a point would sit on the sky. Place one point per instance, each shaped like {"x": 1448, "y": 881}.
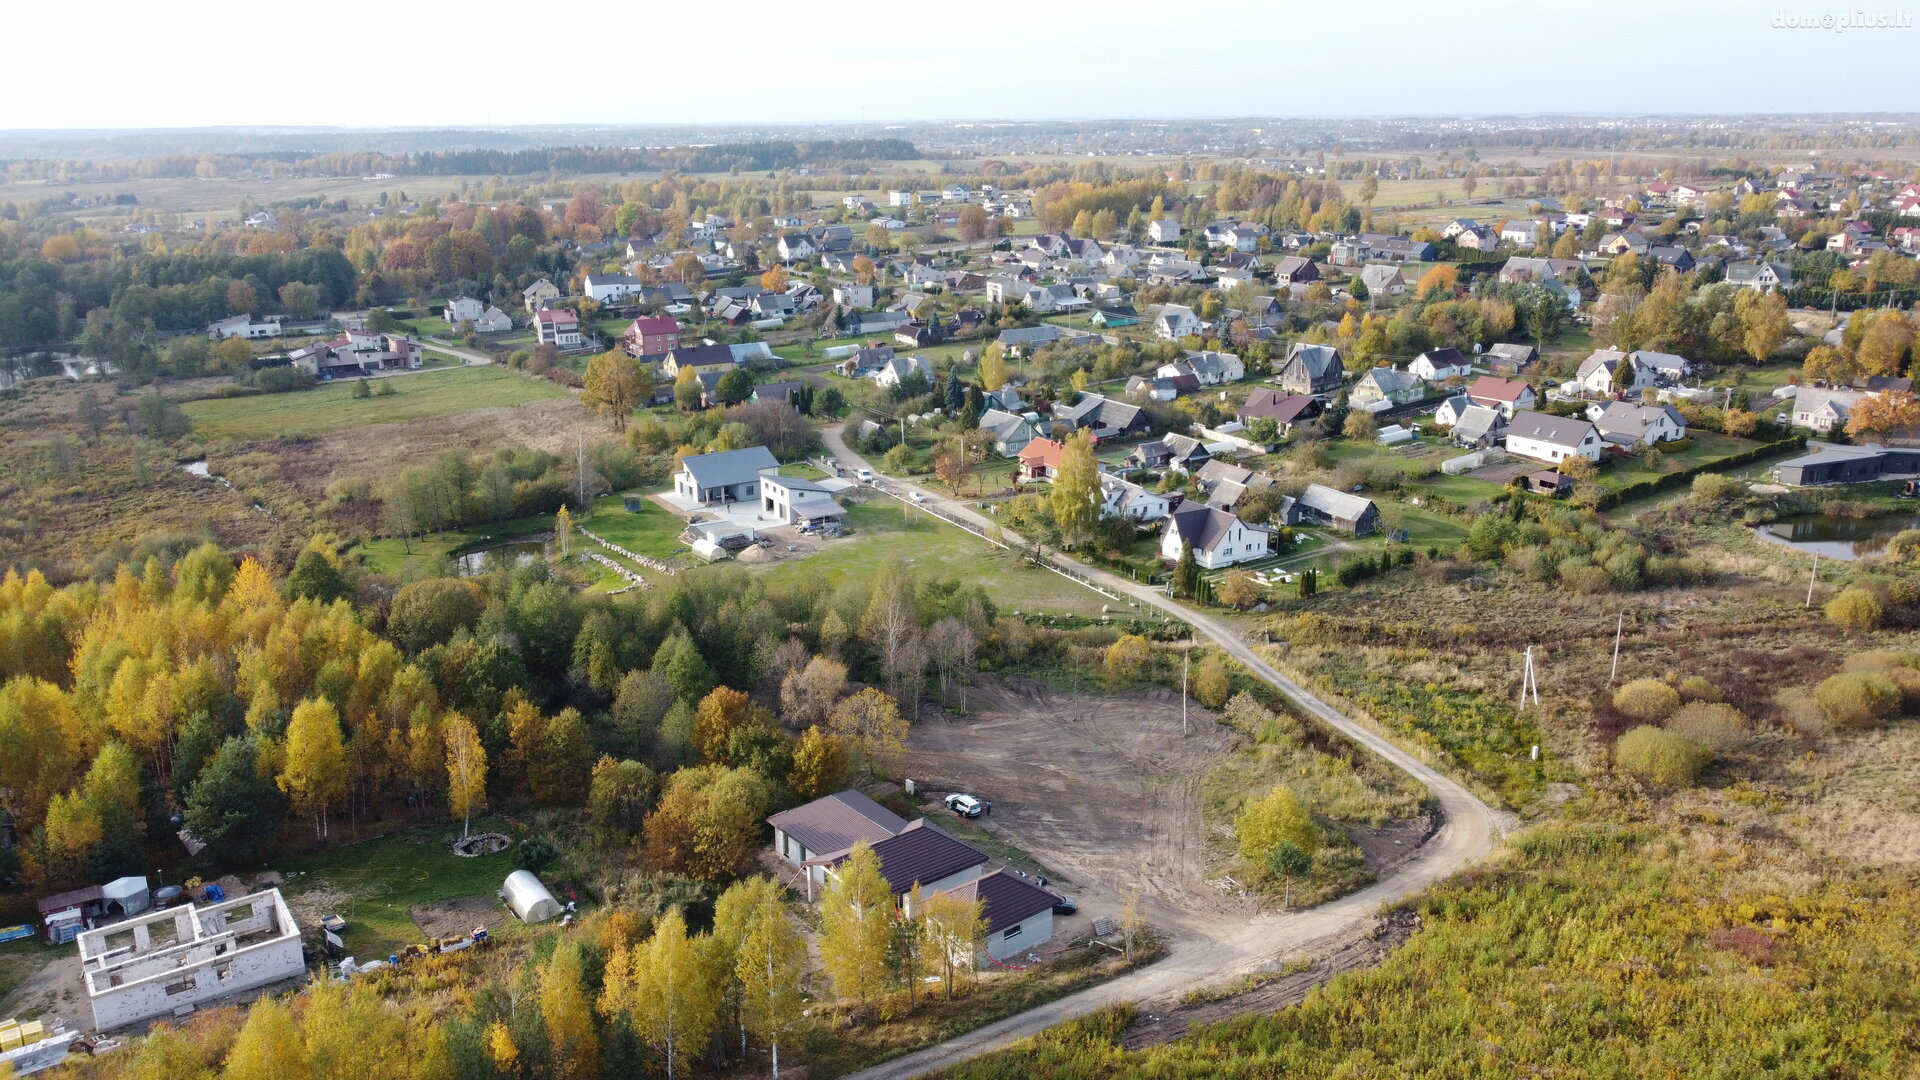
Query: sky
{"x": 389, "y": 63}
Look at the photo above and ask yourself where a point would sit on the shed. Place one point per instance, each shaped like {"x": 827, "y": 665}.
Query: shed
{"x": 529, "y": 899}
{"x": 125, "y": 896}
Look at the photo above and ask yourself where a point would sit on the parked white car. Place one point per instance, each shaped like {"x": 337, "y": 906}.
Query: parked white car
{"x": 919, "y": 496}
{"x": 968, "y": 806}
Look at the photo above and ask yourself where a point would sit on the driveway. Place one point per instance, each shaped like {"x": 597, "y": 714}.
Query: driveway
{"x": 1467, "y": 832}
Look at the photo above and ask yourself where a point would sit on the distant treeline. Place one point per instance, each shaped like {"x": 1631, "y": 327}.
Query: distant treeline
{"x": 484, "y": 161}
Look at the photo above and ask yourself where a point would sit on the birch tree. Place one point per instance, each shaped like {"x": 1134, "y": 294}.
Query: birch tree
{"x": 466, "y": 770}
{"x": 856, "y": 925}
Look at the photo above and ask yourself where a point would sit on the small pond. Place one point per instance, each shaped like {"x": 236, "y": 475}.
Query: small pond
{"x": 1832, "y": 537}
{"x": 508, "y": 556}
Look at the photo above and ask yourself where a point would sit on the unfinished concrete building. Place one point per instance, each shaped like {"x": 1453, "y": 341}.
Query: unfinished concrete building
{"x": 168, "y": 962}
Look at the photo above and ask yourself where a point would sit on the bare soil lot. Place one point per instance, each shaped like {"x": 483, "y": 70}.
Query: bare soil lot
{"x": 1102, "y": 789}
{"x": 453, "y": 918}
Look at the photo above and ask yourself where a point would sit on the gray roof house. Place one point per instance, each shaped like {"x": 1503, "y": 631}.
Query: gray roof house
{"x": 1312, "y": 369}
{"x": 726, "y": 477}
{"x": 1478, "y": 426}
{"x": 1109, "y": 419}
{"x": 1630, "y": 424}
{"x": 1322, "y": 505}
{"x": 1383, "y": 387}
{"x": 1546, "y": 437}
{"x": 1010, "y": 431}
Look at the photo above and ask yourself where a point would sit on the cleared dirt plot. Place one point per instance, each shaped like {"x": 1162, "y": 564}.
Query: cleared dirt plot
{"x": 1102, "y": 789}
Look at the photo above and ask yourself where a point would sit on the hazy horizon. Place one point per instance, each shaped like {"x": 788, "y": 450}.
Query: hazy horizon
{"x": 1244, "y": 59}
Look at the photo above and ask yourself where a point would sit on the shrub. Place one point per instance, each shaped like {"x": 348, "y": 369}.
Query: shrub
{"x": 1855, "y": 609}
{"x": 1697, "y": 688}
{"x": 1905, "y": 545}
{"x": 1858, "y": 698}
{"x": 1663, "y": 757}
{"x": 1717, "y": 487}
{"x": 535, "y": 853}
{"x": 1713, "y": 725}
{"x": 1646, "y": 700}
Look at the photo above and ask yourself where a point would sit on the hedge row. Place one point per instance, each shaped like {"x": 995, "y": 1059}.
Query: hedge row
{"x": 1669, "y": 481}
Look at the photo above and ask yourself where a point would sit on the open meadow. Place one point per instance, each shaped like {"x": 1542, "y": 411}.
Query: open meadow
{"x": 332, "y": 407}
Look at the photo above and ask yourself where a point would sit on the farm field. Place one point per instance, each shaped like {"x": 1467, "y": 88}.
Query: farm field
{"x": 333, "y": 407}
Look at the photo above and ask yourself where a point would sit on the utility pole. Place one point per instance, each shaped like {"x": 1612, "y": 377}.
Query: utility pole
{"x": 1812, "y": 576}
{"x": 1619, "y": 628}
{"x": 1186, "y": 659}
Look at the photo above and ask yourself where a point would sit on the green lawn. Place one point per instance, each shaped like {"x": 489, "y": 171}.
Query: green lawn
{"x": 384, "y": 877}
{"x": 332, "y": 407}
{"x": 1708, "y": 447}
{"x": 885, "y": 530}
{"x": 650, "y": 531}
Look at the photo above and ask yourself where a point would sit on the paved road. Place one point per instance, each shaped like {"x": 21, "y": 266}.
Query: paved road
{"x": 1467, "y": 832}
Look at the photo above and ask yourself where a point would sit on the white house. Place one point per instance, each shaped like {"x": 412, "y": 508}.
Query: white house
{"x": 1824, "y": 410}
{"x": 1553, "y": 438}
{"x": 611, "y": 288}
{"x": 853, "y": 295}
{"x": 727, "y": 476}
{"x": 1219, "y": 538}
{"x": 1164, "y": 231}
{"x": 898, "y": 368}
{"x": 1629, "y": 424}
{"x": 493, "y": 321}
{"x": 791, "y": 500}
{"x": 1122, "y": 498}
{"x": 557, "y": 326}
{"x": 1176, "y": 321}
{"x": 794, "y": 247}
{"x": 1439, "y": 365}
{"x": 244, "y": 326}
{"x": 463, "y": 309}
{"x": 1208, "y": 368}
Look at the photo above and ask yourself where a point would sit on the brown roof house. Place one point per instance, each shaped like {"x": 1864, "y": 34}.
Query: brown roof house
{"x": 817, "y": 837}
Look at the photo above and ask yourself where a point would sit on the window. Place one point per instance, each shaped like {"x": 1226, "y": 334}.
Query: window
{"x": 223, "y": 972}
{"x": 185, "y": 985}
{"x": 1011, "y": 932}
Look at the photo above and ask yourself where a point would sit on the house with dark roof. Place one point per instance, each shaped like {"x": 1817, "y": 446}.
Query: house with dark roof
{"x": 1312, "y": 369}
{"x": 726, "y": 477}
{"x": 1108, "y": 418}
{"x": 1018, "y": 913}
{"x": 1830, "y": 463}
{"x": 922, "y": 854}
{"x": 832, "y": 823}
{"x": 1545, "y": 437}
{"x": 699, "y": 359}
{"x": 1219, "y": 538}
{"x": 1282, "y": 408}
{"x": 1180, "y": 452}
{"x": 819, "y": 836}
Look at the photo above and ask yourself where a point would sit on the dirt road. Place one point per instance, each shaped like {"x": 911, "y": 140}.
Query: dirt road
{"x": 1234, "y": 947}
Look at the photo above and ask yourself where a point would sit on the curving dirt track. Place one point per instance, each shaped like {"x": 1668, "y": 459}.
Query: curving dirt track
{"x": 1229, "y": 947}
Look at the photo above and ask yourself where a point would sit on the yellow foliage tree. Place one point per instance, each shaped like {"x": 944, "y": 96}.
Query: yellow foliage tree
{"x": 314, "y": 775}
{"x": 856, "y": 925}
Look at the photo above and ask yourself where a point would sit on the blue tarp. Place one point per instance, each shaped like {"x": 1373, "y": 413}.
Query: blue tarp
{"x": 15, "y": 933}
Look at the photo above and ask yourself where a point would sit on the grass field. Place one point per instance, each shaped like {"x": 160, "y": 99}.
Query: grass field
{"x": 650, "y": 531}
{"x": 379, "y": 880}
{"x": 889, "y": 530}
{"x": 334, "y": 408}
